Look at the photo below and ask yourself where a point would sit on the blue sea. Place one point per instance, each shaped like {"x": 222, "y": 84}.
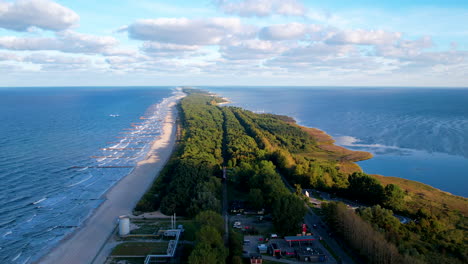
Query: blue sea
{"x": 419, "y": 134}
{"x": 44, "y": 133}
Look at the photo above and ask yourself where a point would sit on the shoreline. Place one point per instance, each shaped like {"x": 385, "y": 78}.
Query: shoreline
{"x": 84, "y": 244}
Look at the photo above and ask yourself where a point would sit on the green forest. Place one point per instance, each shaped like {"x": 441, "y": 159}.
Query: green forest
{"x": 262, "y": 150}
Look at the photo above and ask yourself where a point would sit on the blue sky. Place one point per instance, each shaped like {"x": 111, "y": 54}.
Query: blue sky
{"x": 238, "y": 42}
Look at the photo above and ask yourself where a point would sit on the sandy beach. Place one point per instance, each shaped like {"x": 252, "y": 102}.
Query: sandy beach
{"x": 84, "y": 244}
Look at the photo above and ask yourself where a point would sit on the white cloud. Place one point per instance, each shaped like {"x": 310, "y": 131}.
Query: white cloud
{"x": 319, "y": 51}
{"x": 315, "y": 55}
{"x": 290, "y": 31}
{"x": 25, "y": 14}
{"x": 9, "y": 56}
{"x": 173, "y": 51}
{"x": 252, "y": 50}
{"x": 119, "y": 51}
{"x": 124, "y": 61}
{"x": 41, "y": 61}
{"x": 85, "y": 43}
{"x": 21, "y": 43}
{"x": 67, "y": 41}
{"x": 364, "y": 37}
{"x": 166, "y": 47}
{"x": 41, "y": 58}
{"x": 184, "y": 31}
{"x": 260, "y": 8}
{"x": 404, "y": 49}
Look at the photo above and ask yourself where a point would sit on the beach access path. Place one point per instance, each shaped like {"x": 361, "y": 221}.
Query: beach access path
{"x": 83, "y": 246}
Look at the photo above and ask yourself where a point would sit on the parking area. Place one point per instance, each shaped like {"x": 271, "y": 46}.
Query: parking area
{"x": 251, "y": 224}
{"x": 288, "y": 249}
{"x": 251, "y": 243}
{"x": 258, "y": 230}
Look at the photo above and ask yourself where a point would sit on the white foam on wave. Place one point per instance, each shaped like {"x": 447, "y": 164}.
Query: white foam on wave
{"x": 26, "y": 260}
{"x": 346, "y": 140}
{"x": 377, "y": 149}
{"x": 17, "y": 256}
{"x": 71, "y": 185}
{"x": 349, "y": 141}
{"x": 50, "y": 229}
{"x": 7, "y": 233}
{"x": 40, "y": 201}
{"x": 30, "y": 219}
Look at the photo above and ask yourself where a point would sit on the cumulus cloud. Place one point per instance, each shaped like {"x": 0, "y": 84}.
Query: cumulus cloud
{"x": 252, "y": 50}
{"x": 85, "y": 43}
{"x": 364, "y": 37}
{"x": 168, "y": 50}
{"x": 319, "y": 50}
{"x": 67, "y": 41}
{"x": 40, "y": 58}
{"x": 46, "y": 62}
{"x": 8, "y": 56}
{"x": 261, "y": 8}
{"x": 184, "y": 31}
{"x": 313, "y": 55}
{"x": 25, "y": 14}
{"x": 290, "y": 31}
{"x": 405, "y": 49}
{"x": 166, "y": 47}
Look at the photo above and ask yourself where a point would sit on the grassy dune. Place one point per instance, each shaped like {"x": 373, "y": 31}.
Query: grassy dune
{"x": 420, "y": 195}
{"x": 345, "y": 158}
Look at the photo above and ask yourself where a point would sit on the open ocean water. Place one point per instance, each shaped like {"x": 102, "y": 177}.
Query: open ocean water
{"x": 419, "y": 134}
{"x": 46, "y": 131}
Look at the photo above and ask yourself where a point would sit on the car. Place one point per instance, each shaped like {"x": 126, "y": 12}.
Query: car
{"x": 274, "y": 236}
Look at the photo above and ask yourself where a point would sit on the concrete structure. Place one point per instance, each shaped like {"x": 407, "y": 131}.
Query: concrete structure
{"x": 124, "y": 225}
{"x": 171, "y": 248}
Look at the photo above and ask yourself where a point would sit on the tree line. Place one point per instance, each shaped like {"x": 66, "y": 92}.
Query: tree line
{"x": 433, "y": 236}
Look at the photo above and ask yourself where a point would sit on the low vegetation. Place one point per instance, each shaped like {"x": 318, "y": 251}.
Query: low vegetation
{"x": 139, "y": 248}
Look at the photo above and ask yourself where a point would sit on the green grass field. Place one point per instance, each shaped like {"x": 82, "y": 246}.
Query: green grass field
{"x": 139, "y": 248}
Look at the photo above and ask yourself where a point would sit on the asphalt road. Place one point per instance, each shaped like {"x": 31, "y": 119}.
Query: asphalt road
{"x": 310, "y": 219}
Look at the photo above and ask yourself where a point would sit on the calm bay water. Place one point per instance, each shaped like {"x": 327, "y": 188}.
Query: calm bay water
{"x": 414, "y": 133}
{"x": 46, "y": 131}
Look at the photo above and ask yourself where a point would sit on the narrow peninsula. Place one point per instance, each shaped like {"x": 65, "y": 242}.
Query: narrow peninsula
{"x": 243, "y": 187}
